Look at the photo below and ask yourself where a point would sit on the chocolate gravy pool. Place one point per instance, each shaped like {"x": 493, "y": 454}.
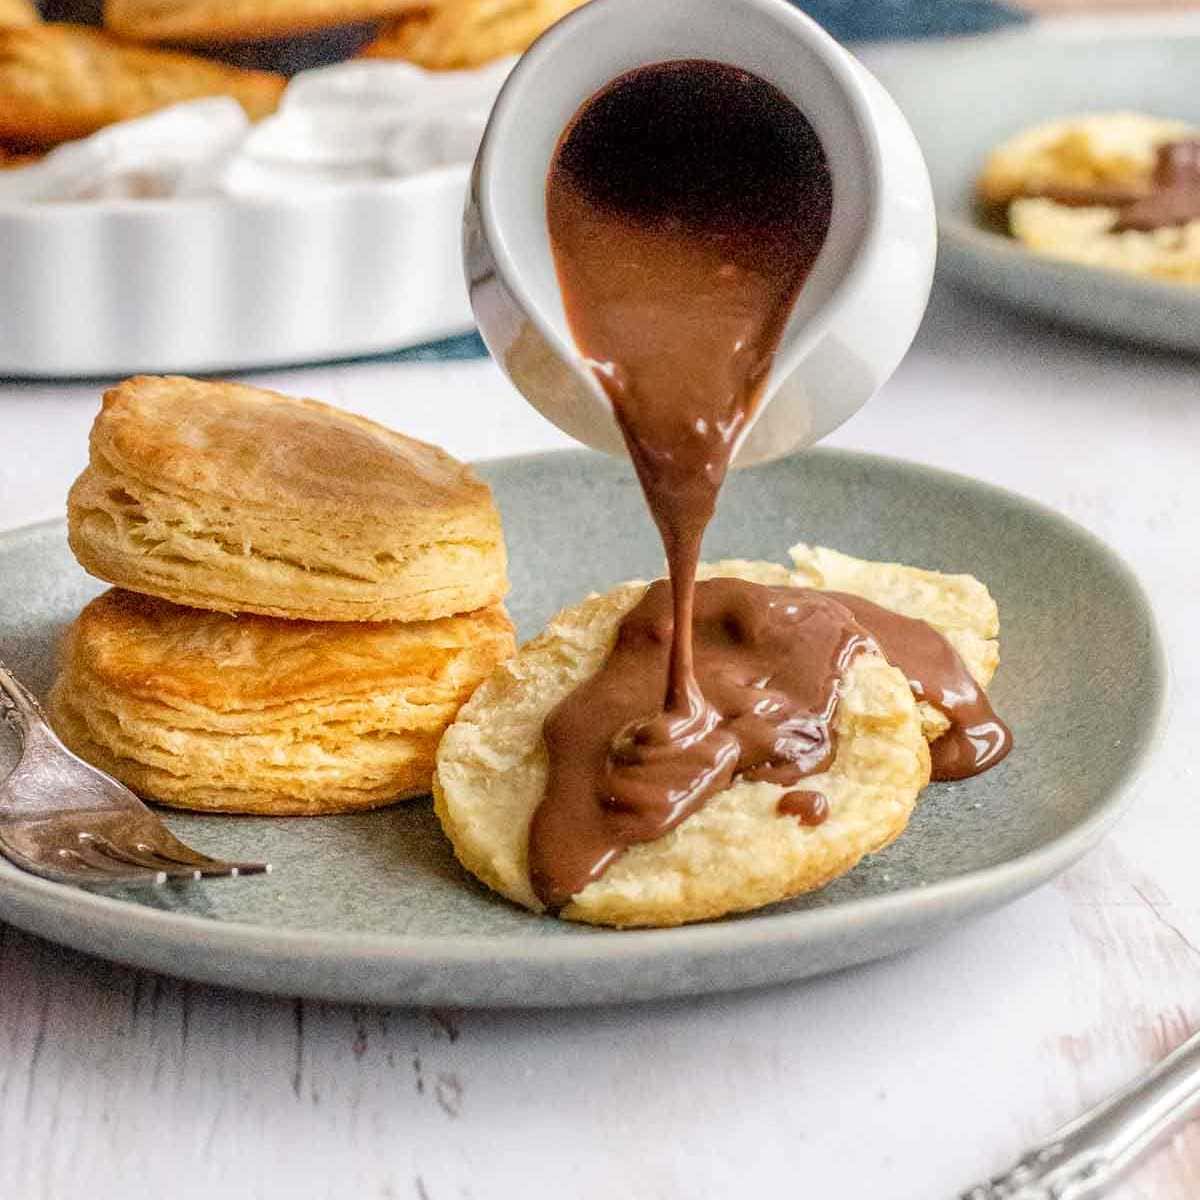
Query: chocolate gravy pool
{"x": 686, "y": 204}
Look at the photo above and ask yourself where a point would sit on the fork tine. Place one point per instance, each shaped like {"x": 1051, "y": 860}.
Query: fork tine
{"x": 172, "y": 849}
{"x": 148, "y": 861}
{"x": 66, "y": 820}
{"x": 98, "y": 868}
{"x": 107, "y": 855}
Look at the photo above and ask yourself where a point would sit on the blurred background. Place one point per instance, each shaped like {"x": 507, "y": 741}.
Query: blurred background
{"x": 142, "y": 143}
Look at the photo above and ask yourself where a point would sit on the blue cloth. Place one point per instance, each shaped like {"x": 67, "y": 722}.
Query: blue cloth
{"x": 875, "y": 20}
{"x": 462, "y": 345}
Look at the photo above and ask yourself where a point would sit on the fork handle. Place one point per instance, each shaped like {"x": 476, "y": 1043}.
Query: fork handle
{"x": 18, "y": 704}
{"x": 1088, "y": 1157}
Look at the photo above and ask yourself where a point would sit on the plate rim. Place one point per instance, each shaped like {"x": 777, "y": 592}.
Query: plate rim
{"x": 137, "y": 925}
{"x": 956, "y": 232}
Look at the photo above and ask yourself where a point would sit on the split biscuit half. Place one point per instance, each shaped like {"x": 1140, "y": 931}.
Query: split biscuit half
{"x": 736, "y": 853}
{"x": 1112, "y": 155}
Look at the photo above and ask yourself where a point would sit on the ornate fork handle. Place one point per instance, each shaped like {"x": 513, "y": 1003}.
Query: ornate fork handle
{"x": 1090, "y": 1155}
{"x": 18, "y": 705}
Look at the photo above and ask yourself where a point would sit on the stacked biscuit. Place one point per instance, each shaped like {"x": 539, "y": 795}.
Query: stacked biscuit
{"x": 738, "y": 852}
{"x": 304, "y": 600}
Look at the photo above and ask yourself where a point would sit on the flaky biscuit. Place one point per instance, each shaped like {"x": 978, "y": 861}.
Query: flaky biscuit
{"x": 736, "y": 853}
{"x": 228, "y": 497}
{"x": 1086, "y": 236}
{"x": 16, "y": 13}
{"x": 1100, "y": 150}
{"x": 208, "y": 21}
{"x": 459, "y": 34}
{"x": 59, "y": 82}
{"x": 206, "y": 711}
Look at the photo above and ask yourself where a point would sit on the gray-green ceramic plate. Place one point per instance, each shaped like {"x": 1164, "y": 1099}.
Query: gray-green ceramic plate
{"x": 962, "y": 97}
{"x": 374, "y": 908}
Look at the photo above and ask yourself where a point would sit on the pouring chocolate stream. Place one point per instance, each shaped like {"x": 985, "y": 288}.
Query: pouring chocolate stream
{"x": 686, "y": 204}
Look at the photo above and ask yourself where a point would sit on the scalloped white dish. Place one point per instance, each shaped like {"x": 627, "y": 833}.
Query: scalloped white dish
{"x": 114, "y": 287}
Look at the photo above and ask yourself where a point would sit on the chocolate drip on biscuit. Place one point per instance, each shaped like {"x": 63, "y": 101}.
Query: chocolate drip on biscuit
{"x": 977, "y": 738}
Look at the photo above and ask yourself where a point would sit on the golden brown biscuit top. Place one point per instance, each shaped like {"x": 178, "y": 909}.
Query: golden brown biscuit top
{"x": 262, "y": 449}
{"x": 217, "y": 21}
{"x": 460, "y": 34}
{"x": 148, "y": 647}
{"x": 62, "y": 80}
{"x": 18, "y": 12}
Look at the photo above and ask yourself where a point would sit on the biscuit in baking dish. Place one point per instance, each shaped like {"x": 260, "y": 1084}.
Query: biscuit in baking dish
{"x": 229, "y": 497}
{"x": 253, "y": 714}
{"x": 737, "y": 852}
{"x": 59, "y": 82}
{"x": 18, "y": 12}
{"x": 460, "y": 34}
{"x": 210, "y": 21}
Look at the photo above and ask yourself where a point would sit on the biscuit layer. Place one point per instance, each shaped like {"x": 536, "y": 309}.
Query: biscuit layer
{"x": 227, "y": 497}
{"x": 59, "y": 82}
{"x": 203, "y": 21}
{"x": 460, "y": 34}
{"x": 737, "y": 853}
{"x": 251, "y": 714}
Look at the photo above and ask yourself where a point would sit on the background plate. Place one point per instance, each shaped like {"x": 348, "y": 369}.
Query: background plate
{"x": 964, "y": 97}
{"x": 374, "y": 908}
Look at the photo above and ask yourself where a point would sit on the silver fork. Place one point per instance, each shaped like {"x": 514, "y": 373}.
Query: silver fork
{"x": 1092, "y": 1154}
{"x": 65, "y": 820}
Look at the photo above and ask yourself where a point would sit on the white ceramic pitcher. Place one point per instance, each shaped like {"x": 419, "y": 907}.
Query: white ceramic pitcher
{"x": 861, "y": 305}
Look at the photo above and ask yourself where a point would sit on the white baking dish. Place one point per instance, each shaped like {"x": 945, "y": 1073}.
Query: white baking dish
{"x": 114, "y": 287}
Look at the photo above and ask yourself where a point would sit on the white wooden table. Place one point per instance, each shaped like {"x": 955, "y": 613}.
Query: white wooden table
{"x": 904, "y": 1080}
